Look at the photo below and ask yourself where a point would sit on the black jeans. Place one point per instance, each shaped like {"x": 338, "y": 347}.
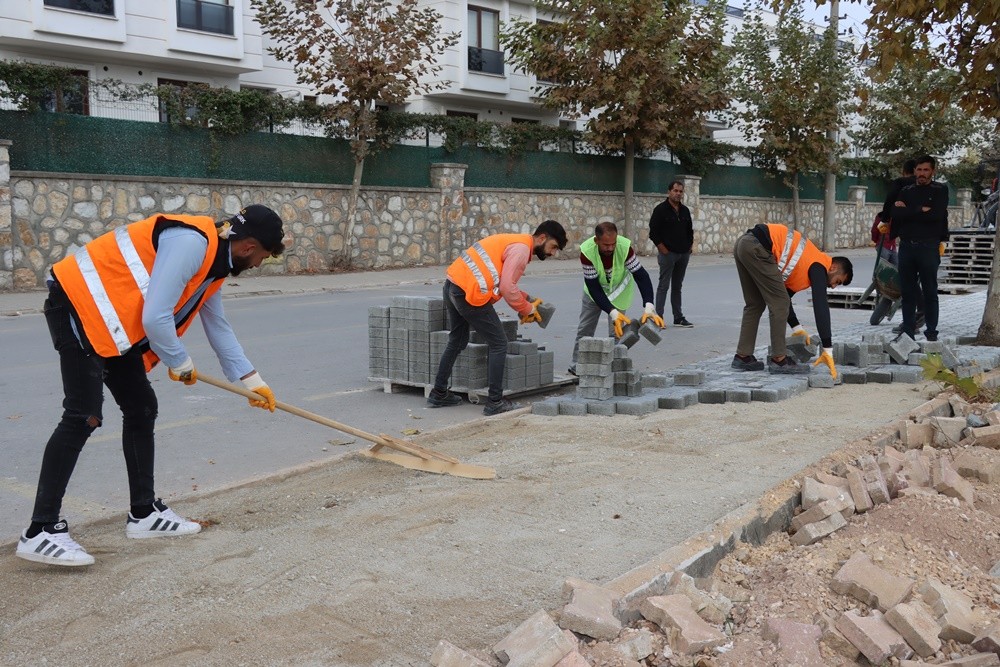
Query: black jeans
{"x": 485, "y": 321}
{"x": 918, "y": 267}
{"x": 84, "y": 375}
{"x": 673, "y": 266}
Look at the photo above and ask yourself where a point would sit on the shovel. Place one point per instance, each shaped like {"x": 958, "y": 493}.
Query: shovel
{"x": 412, "y": 455}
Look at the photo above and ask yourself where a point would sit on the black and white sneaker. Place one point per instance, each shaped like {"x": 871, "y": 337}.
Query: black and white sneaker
{"x": 162, "y": 522}
{"x": 53, "y": 546}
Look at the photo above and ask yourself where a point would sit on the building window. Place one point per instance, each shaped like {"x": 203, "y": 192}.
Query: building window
{"x": 484, "y": 41}
{"x": 103, "y": 7}
{"x": 205, "y": 15}
{"x": 70, "y": 96}
{"x": 462, "y": 114}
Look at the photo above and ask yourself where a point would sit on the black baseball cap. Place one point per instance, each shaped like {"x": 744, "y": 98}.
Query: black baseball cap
{"x": 261, "y": 223}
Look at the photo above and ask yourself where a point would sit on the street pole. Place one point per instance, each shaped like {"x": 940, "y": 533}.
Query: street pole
{"x": 830, "y": 191}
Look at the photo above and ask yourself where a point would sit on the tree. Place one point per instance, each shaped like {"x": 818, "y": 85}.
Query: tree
{"x": 647, "y": 72}
{"x": 913, "y": 111}
{"x": 792, "y": 86}
{"x": 362, "y": 53}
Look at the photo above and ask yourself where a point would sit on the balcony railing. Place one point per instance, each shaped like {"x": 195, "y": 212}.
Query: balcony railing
{"x": 205, "y": 16}
{"x": 486, "y": 61}
{"x": 103, "y": 7}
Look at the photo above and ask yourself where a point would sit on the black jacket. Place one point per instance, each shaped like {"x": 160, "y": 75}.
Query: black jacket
{"x": 912, "y": 223}
{"x": 673, "y": 229}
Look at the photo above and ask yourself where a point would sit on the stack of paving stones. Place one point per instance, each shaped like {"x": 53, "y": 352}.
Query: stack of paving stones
{"x": 940, "y": 449}
{"x": 407, "y": 338}
{"x": 877, "y": 358}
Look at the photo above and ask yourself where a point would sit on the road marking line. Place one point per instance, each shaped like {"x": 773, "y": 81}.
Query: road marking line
{"x": 117, "y": 435}
{"x": 320, "y": 397}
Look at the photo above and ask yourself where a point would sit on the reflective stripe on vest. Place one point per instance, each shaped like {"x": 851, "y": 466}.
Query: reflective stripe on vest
{"x": 476, "y": 273}
{"x": 622, "y": 286}
{"x": 785, "y": 263}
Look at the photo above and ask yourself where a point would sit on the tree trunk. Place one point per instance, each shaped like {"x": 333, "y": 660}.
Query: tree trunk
{"x": 629, "y": 176}
{"x": 989, "y": 328}
{"x": 345, "y": 259}
{"x": 796, "y": 204}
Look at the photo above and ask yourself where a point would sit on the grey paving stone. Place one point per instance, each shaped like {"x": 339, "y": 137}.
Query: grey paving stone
{"x": 821, "y": 381}
{"x": 640, "y": 405}
{"x": 651, "y": 332}
{"x": 766, "y": 395}
{"x": 603, "y": 408}
{"x": 859, "y": 376}
{"x": 739, "y": 395}
{"x": 546, "y": 408}
{"x": 879, "y": 375}
{"x": 899, "y": 350}
{"x": 908, "y": 374}
{"x": 711, "y": 395}
{"x": 689, "y": 379}
{"x": 654, "y": 381}
{"x": 572, "y": 408}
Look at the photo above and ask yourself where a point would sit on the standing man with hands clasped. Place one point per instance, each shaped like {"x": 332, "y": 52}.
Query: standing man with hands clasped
{"x": 920, "y": 220}
{"x": 672, "y": 232}
{"x": 611, "y": 270}
{"x": 481, "y": 276}
{"x": 117, "y": 307}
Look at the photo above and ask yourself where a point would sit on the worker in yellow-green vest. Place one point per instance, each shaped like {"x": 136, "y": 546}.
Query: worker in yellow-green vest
{"x": 611, "y": 270}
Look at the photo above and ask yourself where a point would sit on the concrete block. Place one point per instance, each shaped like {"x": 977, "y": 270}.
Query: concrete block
{"x": 630, "y": 334}
{"x": 900, "y": 348}
{"x": 642, "y": 405}
{"x": 822, "y": 381}
{"x": 449, "y": 655}
{"x": 913, "y": 621}
{"x": 545, "y": 311}
{"x": 859, "y": 491}
{"x": 947, "y": 431}
{"x": 814, "y": 492}
{"x": 875, "y": 483}
{"x": 862, "y": 579}
{"x": 987, "y": 436}
{"x": 975, "y": 463}
{"x": 709, "y": 396}
{"x": 988, "y": 640}
{"x": 798, "y": 643}
{"x": 593, "y": 370}
{"x": 676, "y": 400}
{"x": 654, "y": 381}
{"x": 603, "y": 408}
{"x": 907, "y": 374}
{"x": 572, "y": 408}
{"x": 689, "y": 378}
{"x": 852, "y": 354}
{"x": 589, "y": 610}
{"x": 593, "y": 344}
{"x": 766, "y": 395}
{"x": 879, "y": 375}
{"x": 796, "y": 347}
{"x": 854, "y": 376}
{"x": 651, "y": 332}
{"x": 620, "y": 365}
{"x": 620, "y": 351}
{"x": 548, "y": 408}
{"x": 873, "y": 636}
{"x": 635, "y": 644}
{"x": 813, "y": 532}
{"x": 573, "y": 659}
{"x": 952, "y": 609}
{"x": 916, "y": 436}
{"x": 595, "y": 393}
{"x": 833, "y": 638}
{"x": 675, "y": 615}
{"x": 739, "y": 395}
{"x": 948, "y": 482}
{"x": 975, "y": 660}
{"x": 916, "y": 358}
{"x": 536, "y": 641}
{"x": 821, "y": 511}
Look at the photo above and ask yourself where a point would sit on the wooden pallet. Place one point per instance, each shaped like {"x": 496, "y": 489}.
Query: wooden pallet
{"x": 969, "y": 259}
{"x": 849, "y": 297}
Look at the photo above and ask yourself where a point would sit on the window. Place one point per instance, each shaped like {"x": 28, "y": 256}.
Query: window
{"x": 484, "y": 41}
{"x": 462, "y": 114}
{"x": 205, "y": 15}
{"x": 103, "y": 7}
{"x": 70, "y": 96}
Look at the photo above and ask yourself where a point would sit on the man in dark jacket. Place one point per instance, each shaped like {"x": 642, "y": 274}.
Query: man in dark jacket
{"x": 672, "y": 232}
{"x": 920, "y": 220}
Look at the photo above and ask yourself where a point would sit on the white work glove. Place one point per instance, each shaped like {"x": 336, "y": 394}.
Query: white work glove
{"x": 649, "y": 312}
{"x": 801, "y": 331}
{"x": 184, "y": 372}
{"x": 255, "y": 383}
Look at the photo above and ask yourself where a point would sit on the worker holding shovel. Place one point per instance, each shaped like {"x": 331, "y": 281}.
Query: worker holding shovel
{"x": 481, "y": 276}
{"x": 116, "y": 308}
{"x": 611, "y": 270}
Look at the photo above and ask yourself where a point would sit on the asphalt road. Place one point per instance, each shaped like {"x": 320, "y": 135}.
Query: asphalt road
{"x": 312, "y": 349}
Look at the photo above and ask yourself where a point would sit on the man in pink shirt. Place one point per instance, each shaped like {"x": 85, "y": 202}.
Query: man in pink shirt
{"x": 485, "y": 273}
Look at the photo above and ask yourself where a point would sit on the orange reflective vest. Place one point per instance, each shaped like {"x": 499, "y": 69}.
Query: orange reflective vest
{"x": 479, "y": 268}
{"x": 795, "y": 254}
{"x": 106, "y": 281}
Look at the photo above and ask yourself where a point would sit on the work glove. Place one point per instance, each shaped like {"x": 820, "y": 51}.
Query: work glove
{"x": 941, "y": 249}
{"x": 255, "y": 383}
{"x": 883, "y": 228}
{"x": 620, "y": 320}
{"x": 827, "y": 358}
{"x": 801, "y": 331}
{"x": 534, "y": 315}
{"x": 185, "y": 372}
{"x": 650, "y": 313}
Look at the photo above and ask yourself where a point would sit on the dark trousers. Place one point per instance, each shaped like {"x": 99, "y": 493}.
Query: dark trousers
{"x": 483, "y": 320}
{"x": 918, "y": 267}
{"x": 84, "y": 376}
{"x": 673, "y": 266}
{"x": 763, "y": 288}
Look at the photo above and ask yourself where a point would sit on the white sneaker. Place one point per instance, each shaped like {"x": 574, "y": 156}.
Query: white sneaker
{"x": 53, "y": 546}
{"x": 163, "y": 522}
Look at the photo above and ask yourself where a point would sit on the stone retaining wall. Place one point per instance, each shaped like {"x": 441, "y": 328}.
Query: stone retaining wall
{"x": 45, "y": 216}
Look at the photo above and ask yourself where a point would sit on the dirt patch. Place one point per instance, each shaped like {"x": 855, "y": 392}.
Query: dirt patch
{"x": 356, "y": 562}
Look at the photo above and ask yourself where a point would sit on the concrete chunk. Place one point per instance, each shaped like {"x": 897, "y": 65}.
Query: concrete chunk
{"x": 862, "y": 579}
{"x": 988, "y": 640}
{"x": 947, "y": 430}
{"x": 589, "y": 610}
{"x": 915, "y": 436}
{"x": 546, "y": 311}
{"x": 987, "y": 436}
{"x": 536, "y": 642}
{"x": 914, "y": 622}
{"x": 948, "y": 482}
{"x": 449, "y": 655}
{"x": 873, "y": 636}
{"x": 797, "y": 642}
{"x": 874, "y": 481}
{"x": 952, "y": 608}
{"x": 859, "y": 491}
{"x": 674, "y": 614}
{"x": 822, "y": 510}
{"x": 814, "y": 532}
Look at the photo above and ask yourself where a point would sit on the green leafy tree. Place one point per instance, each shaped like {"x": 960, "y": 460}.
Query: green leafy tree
{"x": 646, "y": 72}
{"x": 913, "y": 111}
{"x": 792, "y": 86}
{"x": 362, "y": 53}
{"x": 961, "y": 36}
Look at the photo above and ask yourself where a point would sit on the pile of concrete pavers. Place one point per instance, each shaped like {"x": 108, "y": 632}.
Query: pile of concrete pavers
{"x": 407, "y": 338}
{"x": 877, "y": 358}
{"x": 675, "y": 617}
